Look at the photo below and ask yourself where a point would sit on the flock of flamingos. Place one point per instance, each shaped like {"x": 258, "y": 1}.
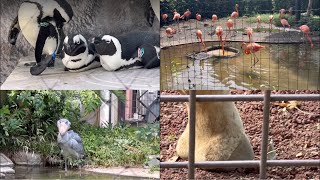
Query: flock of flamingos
{"x": 251, "y": 47}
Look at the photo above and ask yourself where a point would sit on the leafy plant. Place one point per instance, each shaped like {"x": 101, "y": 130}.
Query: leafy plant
{"x": 28, "y": 120}
{"x": 119, "y": 146}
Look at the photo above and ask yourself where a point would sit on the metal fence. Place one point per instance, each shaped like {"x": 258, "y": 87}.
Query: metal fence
{"x": 286, "y": 62}
{"x": 263, "y": 163}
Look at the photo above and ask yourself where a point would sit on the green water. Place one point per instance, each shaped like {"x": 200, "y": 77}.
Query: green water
{"x": 281, "y": 66}
{"x": 56, "y": 173}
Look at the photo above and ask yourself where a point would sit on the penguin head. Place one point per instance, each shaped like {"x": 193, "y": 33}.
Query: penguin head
{"x": 107, "y": 45}
{"x": 74, "y": 45}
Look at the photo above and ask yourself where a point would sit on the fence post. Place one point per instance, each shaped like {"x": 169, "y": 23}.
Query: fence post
{"x": 192, "y": 133}
{"x": 297, "y": 10}
{"x": 265, "y": 133}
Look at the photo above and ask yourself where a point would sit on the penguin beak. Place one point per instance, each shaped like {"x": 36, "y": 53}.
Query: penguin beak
{"x": 71, "y": 49}
{"x": 98, "y": 44}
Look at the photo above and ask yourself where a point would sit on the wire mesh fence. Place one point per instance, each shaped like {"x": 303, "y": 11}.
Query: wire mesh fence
{"x": 275, "y": 56}
{"x": 263, "y": 163}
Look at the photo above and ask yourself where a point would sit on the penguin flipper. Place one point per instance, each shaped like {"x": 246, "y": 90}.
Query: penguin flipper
{"x": 150, "y": 57}
{"x": 14, "y": 31}
{"x": 44, "y": 33}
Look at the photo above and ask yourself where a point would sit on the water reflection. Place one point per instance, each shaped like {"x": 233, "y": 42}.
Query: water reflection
{"x": 23, "y": 172}
{"x": 281, "y": 66}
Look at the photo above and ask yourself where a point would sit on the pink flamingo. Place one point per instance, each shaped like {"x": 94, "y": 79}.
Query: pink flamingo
{"x": 270, "y": 21}
{"x": 199, "y": 35}
{"x": 306, "y": 30}
{"x": 219, "y": 33}
{"x": 170, "y": 32}
{"x": 214, "y": 19}
{"x": 229, "y": 25}
{"x": 258, "y": 21}
{"x": 198, "y": 17}
{"x": 249, "y": 32}
{"x": 284, "y": 22}
{"x": 186, "y": 15}
{"x": 176, "y": 17}
{"x": 235, "y": 14}
{"x": 165, "y": 17}
{"x": 252, "y": 48}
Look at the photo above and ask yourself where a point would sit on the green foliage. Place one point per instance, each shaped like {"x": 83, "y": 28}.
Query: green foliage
{"x": 313, "y": 22}
{"x": 120, "y": 146}
{"x": 29, "y": 119}
{"x": 290, "y": 19}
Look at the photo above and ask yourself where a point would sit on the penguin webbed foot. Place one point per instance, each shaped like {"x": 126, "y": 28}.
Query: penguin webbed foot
{"x": 51, "y": 63}
{"x": 40, "y": 67}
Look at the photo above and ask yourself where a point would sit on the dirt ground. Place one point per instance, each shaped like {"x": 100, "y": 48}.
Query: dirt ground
{"x": 296, "y": 135}
{"x": 186, "y": 32}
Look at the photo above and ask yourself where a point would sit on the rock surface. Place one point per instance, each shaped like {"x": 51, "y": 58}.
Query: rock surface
{"x": 7, "y": 170}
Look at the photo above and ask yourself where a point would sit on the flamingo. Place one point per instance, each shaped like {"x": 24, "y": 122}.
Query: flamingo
{"x": 229, "y": 25}
{"x": 186, "y": 15}
{"x": 214, "y": 19}
{"x": 252, "y": 48}
{"x": 282, "y": 11}
{"x": 249, "y": 32}
{"x": 199, "y": 35}
{"x": 270, "y": 20}
{"x": 284, "y": 22}
{"x": 219, "y": 33}
{"x": 305, "y": 29}
{"x": 258, "y": 21}
{"x": 164, "y": 17}
{"x": 235, "y": 14}
{"x": 170, "y": 31}
{"x": 198, "y": 17}
{"x": 176, "y": 17}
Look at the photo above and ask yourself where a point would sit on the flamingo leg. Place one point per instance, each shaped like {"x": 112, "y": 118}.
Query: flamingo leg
{"x": 311, "y": 44}
{"x": 222, "y": 44}
{"x": 254, "y": 61}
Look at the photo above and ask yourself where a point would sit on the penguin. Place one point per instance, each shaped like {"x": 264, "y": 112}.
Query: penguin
{"x": 78, "y": 55}
{"x": 134, "y": 49}
{"x": 41, "y": 22}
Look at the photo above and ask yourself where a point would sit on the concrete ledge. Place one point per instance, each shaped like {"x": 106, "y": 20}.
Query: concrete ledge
{"x": 132, "y": 172}
{"x": 95, "y": 79}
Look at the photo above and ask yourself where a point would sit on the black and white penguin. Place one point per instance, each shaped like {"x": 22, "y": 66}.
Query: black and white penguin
{"x": 78, "y": 55}
{"x": 41, "y": 22}
{"x": 134, "y": 49}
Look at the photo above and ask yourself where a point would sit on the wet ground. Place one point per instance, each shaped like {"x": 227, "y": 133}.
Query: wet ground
{"x": 23, "y": 172}
{"x": 280, "y": 66}
{"x": 295, "y": 134}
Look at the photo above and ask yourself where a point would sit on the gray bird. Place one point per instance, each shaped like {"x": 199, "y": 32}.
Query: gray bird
{"x": 69, "y": 142}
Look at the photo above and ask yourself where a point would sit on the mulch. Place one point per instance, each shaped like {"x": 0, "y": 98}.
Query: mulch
{"x": 295, "y": 133}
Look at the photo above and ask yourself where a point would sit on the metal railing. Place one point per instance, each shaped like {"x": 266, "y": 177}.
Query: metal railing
{"x": 263, "y": 163}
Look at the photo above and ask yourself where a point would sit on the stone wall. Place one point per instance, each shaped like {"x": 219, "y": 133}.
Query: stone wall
{"x": 91, "y": 18}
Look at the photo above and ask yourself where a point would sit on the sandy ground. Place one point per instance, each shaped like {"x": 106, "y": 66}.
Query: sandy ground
{"x": 296, "y": 135}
